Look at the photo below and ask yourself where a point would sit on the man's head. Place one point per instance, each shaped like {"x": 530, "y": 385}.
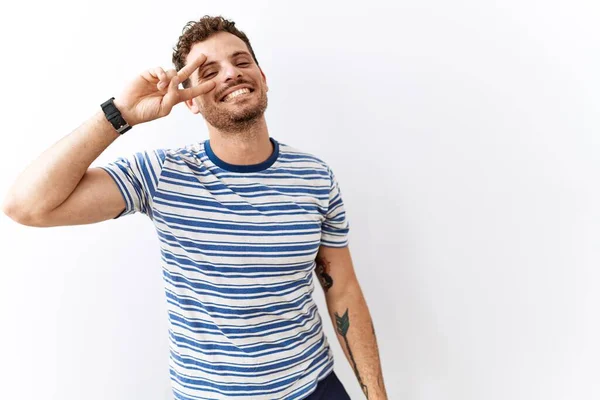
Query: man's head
{"x": 240, "y": 96}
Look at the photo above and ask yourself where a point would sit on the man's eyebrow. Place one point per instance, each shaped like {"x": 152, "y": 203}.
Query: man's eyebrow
{"x": 237, "y": 53}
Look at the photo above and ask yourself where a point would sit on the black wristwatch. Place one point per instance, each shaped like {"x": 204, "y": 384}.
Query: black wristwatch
{"x": 114, "y": 116}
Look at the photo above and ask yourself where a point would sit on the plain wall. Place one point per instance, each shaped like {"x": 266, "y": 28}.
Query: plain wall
{"x": 464, "y": 135}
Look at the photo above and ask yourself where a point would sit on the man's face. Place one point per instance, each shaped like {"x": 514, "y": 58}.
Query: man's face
{"x": 231, "y": 66}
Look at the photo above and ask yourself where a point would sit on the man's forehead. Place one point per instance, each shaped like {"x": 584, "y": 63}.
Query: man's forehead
{"x": 219, "y": 46}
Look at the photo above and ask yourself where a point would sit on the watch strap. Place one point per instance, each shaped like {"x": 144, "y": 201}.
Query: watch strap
{"x": 113, "y": 115}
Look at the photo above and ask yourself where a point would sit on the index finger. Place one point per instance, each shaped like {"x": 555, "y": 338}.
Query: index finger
{"x": 195, "y": 91}
{"x": 186, "y": 71}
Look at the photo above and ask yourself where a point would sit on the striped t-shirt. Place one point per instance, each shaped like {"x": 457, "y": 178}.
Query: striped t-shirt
{"x": 238, "y": 247}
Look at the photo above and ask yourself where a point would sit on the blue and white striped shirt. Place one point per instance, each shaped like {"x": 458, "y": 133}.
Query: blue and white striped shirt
{"x": 238, "y": 247}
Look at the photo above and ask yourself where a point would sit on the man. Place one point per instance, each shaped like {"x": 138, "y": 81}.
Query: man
{"x": 242, "y": 219}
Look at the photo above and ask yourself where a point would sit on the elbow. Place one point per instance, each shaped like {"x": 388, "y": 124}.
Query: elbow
{"x": 350, "y": 290}
{"x": 9, "y": 208}
{"x": 14, "y": 211}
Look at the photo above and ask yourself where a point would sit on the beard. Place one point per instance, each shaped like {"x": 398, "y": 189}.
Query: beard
{"x": 238, "y": 119}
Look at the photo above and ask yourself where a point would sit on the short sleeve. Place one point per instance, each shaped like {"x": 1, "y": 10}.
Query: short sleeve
{"x": 336, "y": 227}
{"x": 137, "y": 178}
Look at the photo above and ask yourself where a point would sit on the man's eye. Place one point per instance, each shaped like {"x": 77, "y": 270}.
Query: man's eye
{"x": 243, "y": 64}
{"x": 209, "y": 75}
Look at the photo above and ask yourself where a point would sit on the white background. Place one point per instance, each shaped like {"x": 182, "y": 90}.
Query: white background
{"x": 464, "y": 135}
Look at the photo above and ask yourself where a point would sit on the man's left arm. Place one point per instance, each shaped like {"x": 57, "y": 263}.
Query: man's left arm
{"x": 351, "y": 318}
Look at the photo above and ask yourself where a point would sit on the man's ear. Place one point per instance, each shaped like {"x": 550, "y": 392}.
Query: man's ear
{"x": 192, "y": 106}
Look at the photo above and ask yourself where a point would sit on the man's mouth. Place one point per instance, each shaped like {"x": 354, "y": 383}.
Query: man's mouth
{"x": 237, "y": 93}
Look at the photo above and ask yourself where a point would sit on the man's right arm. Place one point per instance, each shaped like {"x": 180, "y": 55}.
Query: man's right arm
{"x": 60, "y": 188}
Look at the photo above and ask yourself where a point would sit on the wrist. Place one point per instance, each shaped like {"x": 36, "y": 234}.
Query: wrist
{"x": 115, "y": 116}
{"x": 125, "y": 112}
{"x": 378, "y": 395}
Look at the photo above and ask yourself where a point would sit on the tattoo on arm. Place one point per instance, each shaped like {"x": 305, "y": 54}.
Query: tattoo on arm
{"x": 323, "y": 270}
{"x": 342, "y": 324}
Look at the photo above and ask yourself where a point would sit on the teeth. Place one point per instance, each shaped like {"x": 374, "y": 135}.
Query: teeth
{"x": 236, "y": 93}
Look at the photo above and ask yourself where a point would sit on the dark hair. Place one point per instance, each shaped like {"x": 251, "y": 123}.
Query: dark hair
{"x": 198, "y": 31}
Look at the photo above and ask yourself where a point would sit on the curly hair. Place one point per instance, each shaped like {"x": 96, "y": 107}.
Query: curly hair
{"x": 198, "y": 31}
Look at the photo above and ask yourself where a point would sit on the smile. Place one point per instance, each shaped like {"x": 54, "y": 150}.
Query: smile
{"x": 237, "y": 93}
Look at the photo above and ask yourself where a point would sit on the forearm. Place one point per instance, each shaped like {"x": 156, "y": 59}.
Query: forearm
{"x": 49, "y": 180}
{"x": 355, "y": 331}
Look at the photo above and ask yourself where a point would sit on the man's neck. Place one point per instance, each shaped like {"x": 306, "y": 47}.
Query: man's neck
{"x": 248, "y": 147}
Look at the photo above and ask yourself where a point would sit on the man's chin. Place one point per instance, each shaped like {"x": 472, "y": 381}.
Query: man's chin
{"x": 236, "y": 115}
{"x": 244, "y": 112}
{"x": 246, "y": 116}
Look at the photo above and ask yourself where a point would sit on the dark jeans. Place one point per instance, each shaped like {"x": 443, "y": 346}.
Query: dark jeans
{"x": 329, "y": 388}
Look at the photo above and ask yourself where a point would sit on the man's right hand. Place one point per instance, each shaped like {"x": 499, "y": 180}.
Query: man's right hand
{"x": 59, "y": 188}
{"x": 155, "y": 92}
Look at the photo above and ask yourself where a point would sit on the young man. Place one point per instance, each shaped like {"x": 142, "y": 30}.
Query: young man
{"x": 242, "y": 219}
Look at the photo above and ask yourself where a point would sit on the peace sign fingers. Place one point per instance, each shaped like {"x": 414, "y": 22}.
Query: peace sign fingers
{"x": 185, "y": 72}
{"x": 195, "y": 91}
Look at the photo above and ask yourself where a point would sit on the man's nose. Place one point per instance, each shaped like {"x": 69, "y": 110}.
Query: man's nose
{"x": 232, "y": 73}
